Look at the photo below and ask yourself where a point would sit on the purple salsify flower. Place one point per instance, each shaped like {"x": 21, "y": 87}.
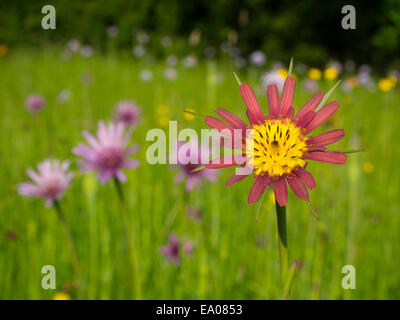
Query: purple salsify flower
{"x": 107, "y": 153}
{"x": 35, "y": 102}
{"x": 173, "y": 250}
{"x": 127, "y": 113}
{"x": 49, "y": 183}
{"x": 188, "y": 162}
{"x": 258, "y": 58}
{"x": 310, "y": 85}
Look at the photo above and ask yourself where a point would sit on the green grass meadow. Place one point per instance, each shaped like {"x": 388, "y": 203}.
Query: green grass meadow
{"x": 236, "y": 255}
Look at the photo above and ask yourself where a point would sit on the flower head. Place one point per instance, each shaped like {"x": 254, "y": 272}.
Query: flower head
{"x": 189, "y": 157}
{"x": 175, "y": 247}
{"x": 49, "y": 183}
{"x": 127, "y": 113}
{"x": 277, "y": 150}
{"x": 107, "y": 153}
{"x": 35, "y": 103}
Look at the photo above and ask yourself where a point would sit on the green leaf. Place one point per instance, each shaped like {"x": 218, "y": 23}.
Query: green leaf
{"x": 327, "y": 95}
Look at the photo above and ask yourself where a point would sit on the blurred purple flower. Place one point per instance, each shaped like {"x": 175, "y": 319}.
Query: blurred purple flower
{"x": 172, "y": 250}
{"x": 189, "y": 161}
{"x": 127, "y": 113}
{"x": 310, "y": 85}
{"x": 258, "y": 58}
{"x": 107, "y": 152}
{"x": 49, "y": 183}
{"x": 35, "y": 102}
{"x": 86, "y": 51}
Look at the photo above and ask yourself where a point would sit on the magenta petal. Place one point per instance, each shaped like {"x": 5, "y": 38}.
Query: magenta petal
{"x": 304, "y": 121}
{"x": 287, "y": 95}
{"x": 234, "y": 120}
{"x": 298, "y": 187}
{"x": 326, "y": 138}
{"x": 235, "y": 178}
{"x": 280, "y": 190}
{"x": 251, "y": 102}
{"x": 311, "y": 105}
{"x": 306, "y": 176}
{"x": 218, "y": 124}
{"x": 329, "y": 157}
{"x": 273, "y": 100}
{"x": 322, "y": 115}
{"x": 257, "y": 189}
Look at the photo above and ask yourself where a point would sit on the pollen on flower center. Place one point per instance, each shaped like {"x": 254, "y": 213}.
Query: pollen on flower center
{"x": 276, "y": 147}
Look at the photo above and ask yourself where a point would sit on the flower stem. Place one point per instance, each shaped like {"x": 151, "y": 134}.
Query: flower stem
{"x": 70, "y": 242}
{"x": 282, "y": 239}
{"x": 133, "y": 260}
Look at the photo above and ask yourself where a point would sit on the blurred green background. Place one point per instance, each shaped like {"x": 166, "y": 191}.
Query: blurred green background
{"x": 169, "y": 56}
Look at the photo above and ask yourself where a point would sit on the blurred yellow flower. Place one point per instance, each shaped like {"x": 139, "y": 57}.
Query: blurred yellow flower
{"x": 3, "y": 50}
{"x": 61, "y": 296}
{"x": 368, "y": 167}
{"x": 314, "y": 74}
{"x": 163, "y": 121}
{"x": 282, "y": 72}
{"x": 353, "y": 81}
{"x": 385, "y": 84}
{"x": 162, "y": 109}
{"x": 188, "y": 116}
{"x": 330, "y": 73}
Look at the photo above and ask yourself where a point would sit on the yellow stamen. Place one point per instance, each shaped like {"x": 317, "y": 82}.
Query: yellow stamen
{"x": 276, "y": 147}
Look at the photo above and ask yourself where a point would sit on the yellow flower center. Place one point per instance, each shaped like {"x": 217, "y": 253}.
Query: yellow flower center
{"x": 275, "y": 147}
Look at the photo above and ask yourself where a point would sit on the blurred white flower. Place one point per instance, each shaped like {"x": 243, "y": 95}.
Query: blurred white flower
{"x": 190, "y": 61}
{"x": 139, "y": 51}
{"x": 86, "y": 51}
{"x": 171, "y": 60}
{"x": 258, "y": 58}
{"x": 146, "y": 75}
{"x": 240, "y": 62}
{"x": 63, "y": 96}
{"x": 170, "y": 74}
{"x": 209, "y": 52}
{"x": 166, "y": 41}
{"x": 142, "y": 37}
{"x": 274, "y": 77}
{"x": 73, "y": 45}
{"x": 112, "y": 31}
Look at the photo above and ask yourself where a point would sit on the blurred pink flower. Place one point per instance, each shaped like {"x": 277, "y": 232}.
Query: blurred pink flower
{"x": 173, "y": 250}
{"x": 107, "y": 153}
{"x": 35, "y": 102}
{"x": 187, "y": 162}
{"x": 49, "y": 183}
{"x": 127, "y": 113}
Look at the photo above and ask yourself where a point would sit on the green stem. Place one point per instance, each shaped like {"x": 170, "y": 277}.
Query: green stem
{"x": 282, "y": 239}
{"x": 133, "y": 260}
{"x": 70, "y": 242}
